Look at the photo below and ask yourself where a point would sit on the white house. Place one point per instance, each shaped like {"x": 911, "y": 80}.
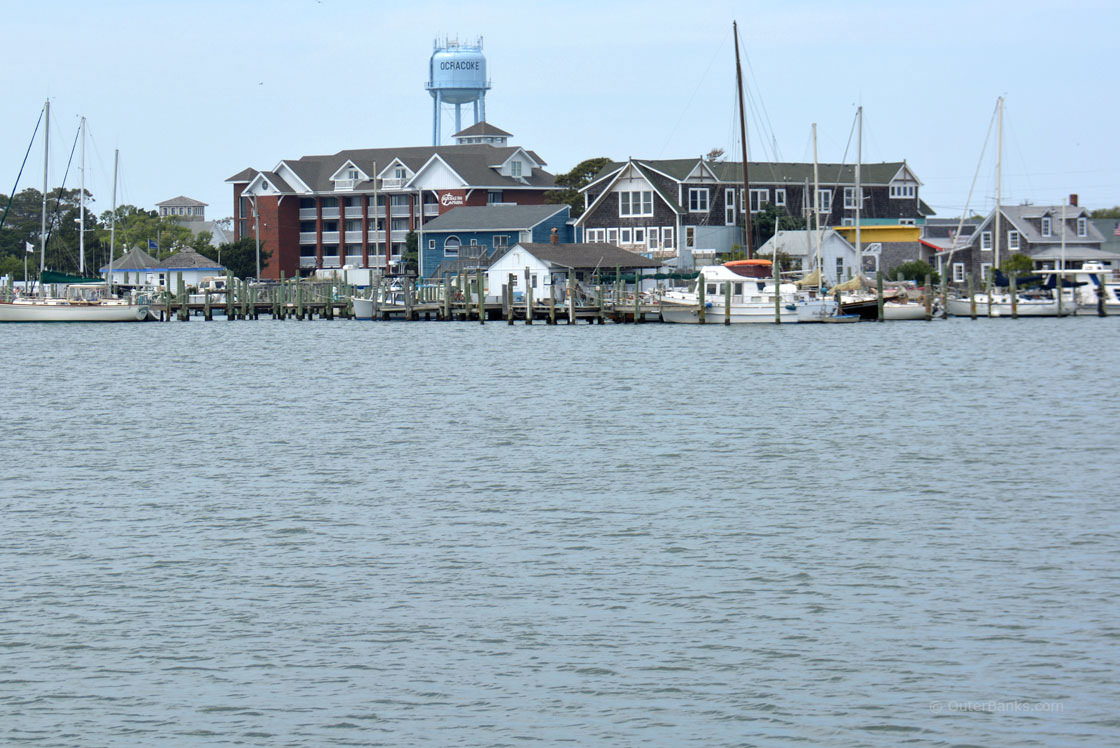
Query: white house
{"x": 134, "y": 268}
{"x": 549, "y": 265}
{"x": 193, "y": 266}
{"x": 838, "y": 256}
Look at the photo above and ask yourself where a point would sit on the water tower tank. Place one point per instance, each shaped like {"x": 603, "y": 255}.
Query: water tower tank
{"x": 457, "y": 76}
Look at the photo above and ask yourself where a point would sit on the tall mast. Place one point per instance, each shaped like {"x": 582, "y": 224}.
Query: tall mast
{"x": 113, "y": 221}
{"x": 999, "y": 177}
{"x": 82, "y": 211}
{"x": 816, "y": 227}
{"x": 746, "y": 200}
{"x": 43, "y": 219}
{"x": 859, "y": 186}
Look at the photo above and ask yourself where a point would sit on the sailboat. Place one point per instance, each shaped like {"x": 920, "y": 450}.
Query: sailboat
{"x": 83, "y": 301}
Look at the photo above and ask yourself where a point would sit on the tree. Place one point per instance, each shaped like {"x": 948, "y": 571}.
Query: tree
{"x": 411, "y": 255}
{"x": 714, "y": 156}
{"x": 768, "y": 221}
{"x": 1113, "y": 212}
{"x": 239, "y": 257}
{"x": 1017, "y": 263}
{"x": 576, "y": 179}
{"x": 916, "y": 270}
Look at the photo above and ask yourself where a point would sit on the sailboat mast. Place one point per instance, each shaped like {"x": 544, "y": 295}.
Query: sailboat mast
{"x": 999, "y": 177}
{"x": 46, "y": 157}
{"x": 746, "y": 200}
{"x": 82, "y": 210}
{"x": 816, "y": 226}
{"x": 859, "y": 186}
{"x": 113, "y": 220}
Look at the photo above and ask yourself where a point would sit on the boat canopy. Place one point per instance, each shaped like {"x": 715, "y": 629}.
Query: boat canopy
{"x": 812, "y": 279}
{"x": 853, "y": 284}
{"x": 50, "y": 276}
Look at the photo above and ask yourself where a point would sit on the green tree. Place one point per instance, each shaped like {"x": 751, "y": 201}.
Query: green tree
{"x": 771, "y": 219}
{"x": 571, "y": 183}
{"x": 915, "y": 270}
{"x": 1113, "y": 212}
{"x": 1017, "y": 263}
{"x": 239, "y": 257}
{"x": 411, "y": 255}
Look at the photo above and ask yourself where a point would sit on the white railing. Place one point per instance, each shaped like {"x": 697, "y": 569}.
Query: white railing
{"x": 330, "y": 237}
{"x": 431, "y": 209}
{"x": 392, "y": 184}
{"x": 355, "y": 260}
{"x": 400, "y": 211}
{"x": 353, "y": 237}
{"x": 331, "y": 262}
{"x": 307, "y": 262}
{"x": 330, "y": 212}
{"x": 376, "y": 236}
{"x": 353, "y": 211}
{"x": 307, "y": 237}
{"x": 307, "y": 213}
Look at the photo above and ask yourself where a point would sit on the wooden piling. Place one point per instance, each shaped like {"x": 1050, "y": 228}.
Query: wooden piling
{"x": 971, "y": 298}
{"x": 727, "y": 302}
{"x": 701, "y": 312}
{"x": 1101, "y": 291}
{"x": 1013, "y": 287}
{"x": 879, "y": 296}
{"x": 571, "y": 292}
{"x": 927, "y": 297}
{"x": 528, "y": 297}
{"x": 480, "y": 282}
{"x": 777, "y": 290}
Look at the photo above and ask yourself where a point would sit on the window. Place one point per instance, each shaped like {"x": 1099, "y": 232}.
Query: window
{"x": 400, "y": 201}
{"x": 398, "y": 172}
{"x": 493, "y": 196}
{"x": 986, "y": 241}
{"x": 330, "y": 225}
{"x": 592, "y": 235}
{"x": 330, "y": 202}
{"x": 635, "y": 203}
{"x": 639, "y": 236}
{"x": 780, "y": 197}
{"x": 847, "y": 221}
{"x": 985, "y": 270}
{"x": 431, "y": 244}
{"x": 690, "y": 236}
{"x": 729, "y": 206}
{"x": 306, "y": 226}
{"x": 906, "y": 222}
{"x": 1082, "y": 226}
{"x": 652, "y": 238}
{"x": 824, "y": 201}
{"x": 666, "y": 237}
{"x": 624, "y": 236}
{"x": 451, "y": 246}
{"x": 307, "y": 202}
{"x": 501, "y": 241}
{"x": 698, "y": 200}
{"x": 353, "y": 225}
{"x": 839, "y": 268}
{"x": 902, "y": 191}
{"x": 1046, "y": 225}
{"x": 758, "y": 198}
{"x": 515, "y": 170}
{"x": 1013, "y": 240}
{"x": 958, "y": 272}
{"x": 849, "y": 198}
{"x": 612, "y": 236}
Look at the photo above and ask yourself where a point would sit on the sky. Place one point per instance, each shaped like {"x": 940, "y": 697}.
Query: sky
{"x": 191, "y": 92}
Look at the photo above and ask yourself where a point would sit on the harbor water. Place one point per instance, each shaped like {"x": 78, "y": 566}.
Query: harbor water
{"x": 371, "y": 533}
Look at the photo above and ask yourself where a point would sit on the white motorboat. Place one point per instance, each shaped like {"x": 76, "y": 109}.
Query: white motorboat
{"x": 752, "y": 296}
{"x": 1000, "y": 306}
{"x": 903, "y": 310}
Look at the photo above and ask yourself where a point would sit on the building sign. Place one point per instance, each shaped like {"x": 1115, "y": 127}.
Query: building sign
{"x": 450, "y": 199}
{"x": 460, "y": 65}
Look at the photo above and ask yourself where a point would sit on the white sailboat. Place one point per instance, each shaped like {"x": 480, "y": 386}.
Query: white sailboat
{"x": 82, "y": 302}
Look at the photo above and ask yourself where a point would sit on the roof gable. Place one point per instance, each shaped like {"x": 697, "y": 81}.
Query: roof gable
{"x": 436, "y": 174}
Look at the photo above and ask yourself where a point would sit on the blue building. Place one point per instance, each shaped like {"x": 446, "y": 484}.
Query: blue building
{"x": 470, "y": 236}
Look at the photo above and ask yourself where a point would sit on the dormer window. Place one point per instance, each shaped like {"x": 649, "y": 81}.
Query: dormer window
{"x": 1082, "y": 226}
{"x": 515, "y": 168}
{"x": 1046, "y": 226}
{"x": 398, "y": 172}
{"x": 352, "y": 174}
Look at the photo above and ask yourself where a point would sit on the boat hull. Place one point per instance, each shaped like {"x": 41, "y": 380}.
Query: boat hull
{"x": 62, "y": 312}
{"x": 1026, "y": 308}
{"x": 689, "y": 314}
{"x": 903, "y": 311}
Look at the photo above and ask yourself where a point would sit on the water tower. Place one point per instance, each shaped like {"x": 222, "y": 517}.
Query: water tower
{"x": 457, "y": 75}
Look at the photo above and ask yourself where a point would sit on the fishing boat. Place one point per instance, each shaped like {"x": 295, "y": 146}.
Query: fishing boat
{"x": 380, "y": 299}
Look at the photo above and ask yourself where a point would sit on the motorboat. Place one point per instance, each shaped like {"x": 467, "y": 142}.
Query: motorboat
{"x": 752, "y": 297}
{"x": 81, "y": 303}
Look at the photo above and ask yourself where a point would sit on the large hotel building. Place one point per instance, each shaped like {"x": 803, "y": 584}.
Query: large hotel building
{"x": 341, "y": 210}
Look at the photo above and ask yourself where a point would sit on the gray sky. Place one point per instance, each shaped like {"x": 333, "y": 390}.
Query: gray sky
{"x": 194, "y": 91}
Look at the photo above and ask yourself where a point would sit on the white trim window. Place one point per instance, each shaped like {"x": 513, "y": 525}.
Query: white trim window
{"x": 1082, "y": 226}
{"x": 624, "y": 236}
{"x": 780, "y": 197}
{"x": 515, "y": 168}
{"x": 958, "y": 272}
{"x": 451, "y": 246}
{"x": 653, "y": 237}
{"x": 729, "y": 206}
{"x": 846, "y": 221}
{"x": 849, "y": 198}
{"x": 1013, "y": 240}
{"x": 431, "y": 244}
{"x": 612, "y": 236}
{"x": 758, "y": 199}
{"x": 907, "y": 222}
{"x": 903, "y": 191}
{"x": 1046, "y": 226}
{"x": 699, "y": 200}
{"x": 639, "y": 235}
{"x": 985, "y": 270}
{"x": 986, "y": 241}
{"x": 824, "y": 201}
{"x": 635, "y": 203}
{"x": 667, "y": 237}
{"x": 690, "y": 237}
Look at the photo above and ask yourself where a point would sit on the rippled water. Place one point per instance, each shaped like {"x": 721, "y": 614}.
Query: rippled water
{"x": 337, "y": 533}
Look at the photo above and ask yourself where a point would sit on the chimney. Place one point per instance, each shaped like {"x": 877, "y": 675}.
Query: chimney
{"x": 554, "y": 237}
{"x": 1073, "y": 200}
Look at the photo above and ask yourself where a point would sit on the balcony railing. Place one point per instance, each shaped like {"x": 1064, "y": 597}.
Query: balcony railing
{"x": 307, "y": 237}
{"x": 330, "y": 212}
{"x": 397, "y": 235}
{"x": 392, "y": 184}
{"x": 431, "y": 209}
{"x": 330, "y": 237}
{"x": 353, "y": 211}
{"x": 400, "y": 211}
{"x": 330, "y": 262}
{"x": 353, "y": 237}
{"x": 307, "y": 262}
{"x": 307, "y": 214}
{"x": 355, "y": 260}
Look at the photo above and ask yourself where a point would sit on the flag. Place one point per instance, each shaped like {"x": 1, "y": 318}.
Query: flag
{"x": 152, "y": 245}
{"x": 1116, "y": 231}
{"x": 30, "y": 246}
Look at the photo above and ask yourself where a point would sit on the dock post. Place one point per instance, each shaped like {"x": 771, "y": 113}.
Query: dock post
{"x": 206, "y": 314}
{"x": 777, "y": 268}
{"x": 528, "y": 298}
{"x": 945, "y": 296}
{"x": 701, "y": 288}
{"x": 879, "y": 296}
{"x": 551, "y": 302}
{"x": 927, "y": 297}
{"x": 480, "y": 282}
{"x": 727, "y": 303}
{"x": 1101, "y": 311}
{"x": 1013, "y": 288}
{"x": 637, "y": 296}
{"x": 229, "y": 294}
{"x": 971, "y": 297}
{"x": 511, "y": 278}
{"x": 184, "y": 300}
{"x": 571, "y": 297}
{"x": 989, "y": 286}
